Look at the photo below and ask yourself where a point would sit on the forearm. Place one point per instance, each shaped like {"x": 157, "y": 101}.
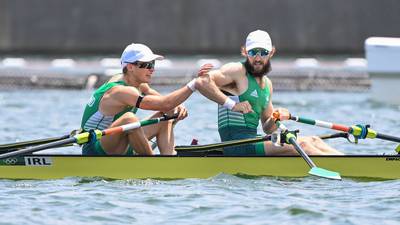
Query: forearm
{"x": 269, "y": 126}
{"x": 209, "y": 89}
{"x": 167, "y": 102}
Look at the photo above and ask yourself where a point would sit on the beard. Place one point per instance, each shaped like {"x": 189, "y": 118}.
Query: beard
{"x": 265, "y": 69}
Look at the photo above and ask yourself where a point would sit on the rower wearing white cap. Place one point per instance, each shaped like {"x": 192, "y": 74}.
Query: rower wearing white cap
{"x": 116, "y": 102}
{"x": 244, "y": 94}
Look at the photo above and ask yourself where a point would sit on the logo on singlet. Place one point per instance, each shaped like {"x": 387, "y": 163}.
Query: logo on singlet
{"x": 254, "y": 94}
{"x": 91, "y": 101}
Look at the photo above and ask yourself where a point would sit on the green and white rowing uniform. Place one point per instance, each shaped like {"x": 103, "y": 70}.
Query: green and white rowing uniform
{"x": 235, "y": 125}
{"x": 93, "y": 119}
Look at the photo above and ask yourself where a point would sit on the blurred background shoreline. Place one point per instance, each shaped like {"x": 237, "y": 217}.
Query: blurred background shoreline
{"x": 75, "y": 44}
{"x": 336, "y": 73}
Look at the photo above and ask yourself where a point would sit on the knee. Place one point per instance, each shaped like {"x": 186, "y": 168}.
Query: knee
{"x": 167, "y": 124}
{"x": 309, "y": 148}
{"x": 310, "y": 139}
{"x": 129, "y": 117}
{"x": 316, "y": 139}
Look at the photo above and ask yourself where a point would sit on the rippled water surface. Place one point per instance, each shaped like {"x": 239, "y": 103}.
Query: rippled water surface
{"x": 223, "y": 199}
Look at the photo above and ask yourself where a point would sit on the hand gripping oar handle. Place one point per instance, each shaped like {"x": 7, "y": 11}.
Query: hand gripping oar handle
{"x": 291, "y": 139}
{"x": 353, "y": 130}
{"x": 84, "y": 137}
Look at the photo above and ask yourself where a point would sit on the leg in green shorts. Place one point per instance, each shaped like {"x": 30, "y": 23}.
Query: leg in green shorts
{"x": 237, "y": 133}
{"x": 95, "y": 148}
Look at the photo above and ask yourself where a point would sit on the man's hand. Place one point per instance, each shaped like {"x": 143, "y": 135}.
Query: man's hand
{"x": 243, "y": 107}
{"x": 204, "y": 69}
{"x": 283, "y": 113}
{"x": 182, "y": 112}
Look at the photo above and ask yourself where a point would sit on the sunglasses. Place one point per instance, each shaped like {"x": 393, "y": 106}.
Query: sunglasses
{"x": 258, "y": 51}
{"x": 144, "y": 65}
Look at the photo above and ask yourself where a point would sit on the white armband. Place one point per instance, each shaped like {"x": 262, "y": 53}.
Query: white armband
{"x": 192, "y": 85}
{"x": 229, "y": 103}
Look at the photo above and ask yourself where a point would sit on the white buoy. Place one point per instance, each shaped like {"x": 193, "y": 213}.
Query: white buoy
{"x": 215, "y": 62}
{"x": 306, "y": 63}
{"x": 383, "y": 54}
{"x": 110, "y": 62}
{"x": 14, "y": 62}
{"x": 63, "y": 63}
{"x": 359, "y": 63}
{"x": 112, "y": 71}
{"x": 163, "y": 64}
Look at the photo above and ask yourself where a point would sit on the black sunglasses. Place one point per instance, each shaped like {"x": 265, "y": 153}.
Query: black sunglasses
{"x": 144, "y": 65}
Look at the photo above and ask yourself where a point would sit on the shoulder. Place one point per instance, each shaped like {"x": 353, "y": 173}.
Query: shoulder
{"x": 115, "y": 78}
{"x": 268, "y": 82}
{"x": 121, "y": 90}
{"x": 232, "y": 69}
{"x": 144, "y": 88}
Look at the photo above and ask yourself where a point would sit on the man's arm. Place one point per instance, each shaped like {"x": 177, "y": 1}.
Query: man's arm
{"x": 147, "y": 90}
{"x": 160, "y": 102}
{"x": 209, "y": 85}
{"x": 267, "y": 120}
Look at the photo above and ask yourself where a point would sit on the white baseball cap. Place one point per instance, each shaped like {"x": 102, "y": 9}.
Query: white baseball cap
{"x": 138, "y": 52}
{"x": 258, "y": 39}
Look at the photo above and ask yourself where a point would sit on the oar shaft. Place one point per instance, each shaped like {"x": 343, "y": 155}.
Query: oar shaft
{"x": 387, "y": 137}
{"x": 321, "y": 123}
{"x": 209, "y": 147}
{"x": 292, "y": 140}
{"x": 39, "y": 148}
{"x": 354, "y": 130}
{"x": 336, "y": 135}
{"x": 316, "y": 171}
{"x": 22, "y": 144}
{"x": 301, "y": 152}
{"x": 132, "y": 126}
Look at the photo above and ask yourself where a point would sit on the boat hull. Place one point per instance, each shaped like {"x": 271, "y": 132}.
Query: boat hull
{"x": 178, "y": 167}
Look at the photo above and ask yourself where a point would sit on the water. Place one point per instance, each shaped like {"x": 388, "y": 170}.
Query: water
{"x": 223, "y": 199}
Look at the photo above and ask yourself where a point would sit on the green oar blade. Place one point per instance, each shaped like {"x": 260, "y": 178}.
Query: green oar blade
{"x": 398, "y": 149}
{"x": 316, "y": 171}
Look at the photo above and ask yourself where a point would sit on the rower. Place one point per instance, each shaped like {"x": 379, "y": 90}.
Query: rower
{"x": 115, "y": 103}
{"x": 244, "y": 94}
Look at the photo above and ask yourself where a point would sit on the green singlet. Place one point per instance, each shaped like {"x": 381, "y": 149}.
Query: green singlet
{"x": 235, "y": 125}
{"x": 93, "y": 119}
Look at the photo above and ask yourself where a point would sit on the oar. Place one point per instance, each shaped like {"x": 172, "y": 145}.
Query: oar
{"x": 23, "y": 144}
{"x": 84, "y": 137}
{"x": 316, "y": 171}
{"x": 220, "y": 145}
{"x": 356, "y": 131}
{"x": 210, "y": 147}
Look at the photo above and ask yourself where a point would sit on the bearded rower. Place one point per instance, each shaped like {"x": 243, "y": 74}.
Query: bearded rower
{"x": 244, "y": 94}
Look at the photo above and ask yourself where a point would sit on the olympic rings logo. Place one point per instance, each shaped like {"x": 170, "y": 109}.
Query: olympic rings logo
{"x": 10, "y": 161}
